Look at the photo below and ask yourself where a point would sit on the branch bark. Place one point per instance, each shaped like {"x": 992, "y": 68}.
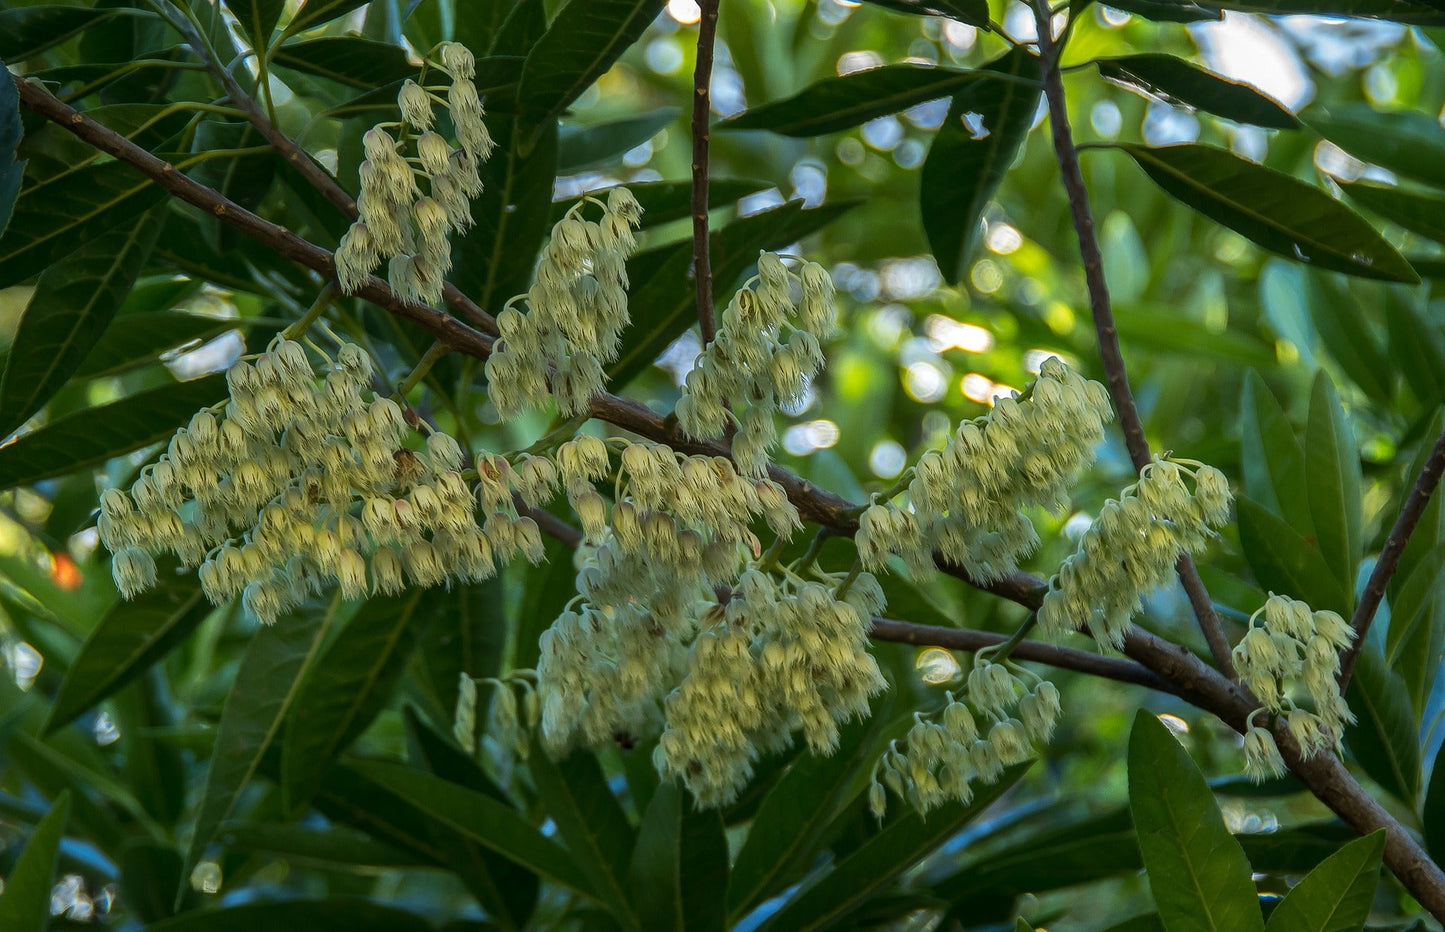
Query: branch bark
{"x": 701, "y": 136}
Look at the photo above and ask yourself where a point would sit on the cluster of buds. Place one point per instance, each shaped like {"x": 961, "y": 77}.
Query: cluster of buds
{"x": 396, "y": 221}
{"x": 965, "y": 499}
{"x": 1293, "y": 652}
{"x": 290, "y": 486}
{"x": 766, "y": 353}
{"x": 508, "y": 721}
{"x": 998, "y": 723}
{"x": 775, "y": 658}
{"x": 1130, "y": 549}
{"x": 576, "y": 311}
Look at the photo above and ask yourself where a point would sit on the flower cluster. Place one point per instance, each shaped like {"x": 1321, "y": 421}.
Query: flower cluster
{"x": 291, "y": 485}
{"x": 766, "y": 352}
{"x": 776, "y": 657}
{"x": 576, "y": 311}
{"x": 1131, "y": 547}
{"x": 971, "y": 740}
{"x": 1293, "y": 651}
{"x": 397, "y": 222}
{"x": 965, "y": 499}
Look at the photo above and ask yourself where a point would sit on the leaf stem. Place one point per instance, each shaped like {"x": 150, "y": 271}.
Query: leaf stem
{"x": 318, "y": 307}
{"x": 434, "y": 352}
{"x": 701, "y": 110}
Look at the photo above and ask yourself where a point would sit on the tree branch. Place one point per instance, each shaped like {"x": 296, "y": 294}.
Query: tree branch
{"x": 1117, "y": 376}
{"x": 701, "y": 110}
{"x": 1389, "y": 559}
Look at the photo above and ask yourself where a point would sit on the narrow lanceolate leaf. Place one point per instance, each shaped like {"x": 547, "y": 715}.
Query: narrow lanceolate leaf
{"x": 973, "y": 12}
{"x": 48, "y": 226}
{"x": 583, "y": 41}
{"x": 30, "y": 30}
{"x": 25, "y": 903}
{"x": 316, "y": 12}
{"x": 1197, "y": 870}
{"x": 73, "y": 303}
{"x": 1167, "y": 11}
{"x": 679, "y": 871}
{"x": 94, "y": 435}
{"x": 141, "y": 338}
{"x": 967, "y": 160}
{"x": 348, "y": 60}
{"x": 1176, "y": 80}
{"x": 580, "y": 147}
{"x": 12, "y": 172}
{"x": 1413, "y": 12}
{"x": 258, "y": 20}
{"x": 130, "y": 639}
{"x": 588, "y": 817}
{"x": 348, "y": 686}
{"x": 1347, "y": 334}
{"x": 835, "y": 104}
{"x": 1285, "y": 561}
{"x": 264, "y": 690}
{"x": 1409, "y": 144}
{"x": 855, "y": 879}
{"x": 1419, "y": 213}
{"x": 1275, "y": 210}
{"x": 333, "y": 914}
{"x": 1332, "y": 476}
{"x": 1385, "y": 739}
{"x": 1432, "y": 816}
{"x": 1335, "y": 896}
{"x": 665, "y": 201}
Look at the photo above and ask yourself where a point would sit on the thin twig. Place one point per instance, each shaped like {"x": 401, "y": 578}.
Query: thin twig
{"x": 1389, "y": 559}
{"x": 701, "y": 135}
{"x": 1117, "y": 375}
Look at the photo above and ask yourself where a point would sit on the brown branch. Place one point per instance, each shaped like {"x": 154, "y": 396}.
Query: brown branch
{"x": 1116, "y": 374}
{"x": 1187, "y": 676}
{"x": 1389, "y": 559}
{"x": 701, "y": 110}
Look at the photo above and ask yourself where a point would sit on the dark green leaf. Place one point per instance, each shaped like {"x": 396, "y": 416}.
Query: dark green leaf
{"x": 1332, "y": 476}
{"x": 582, "y": 42}
{"x": 1197, "y": 870}
{"x": 49, "y": 225}
{"x": 835, "y": 104}
{"x": 1385, "y": 739}
{"x": 1418, "y": 213}
{"x": 335, "y": 914}
{"x": 1417, "y": 348}
{"x": 964, "y": 167}
{"x": 244, "y": 179}
{"x": 1275, "y": 210}
{"x": 1336, "y": 896}
{"x": 662, "y": 304}
{"x": 25, "y": 904}
{"x": 546, "y": 589}
{"x": 679, "y": 872}
{"x": 29, "y": 30}
{"x": 73, "y": 303}
{"x": 1415, "y": 12}
{"x": 580, "y": 147}
{"x": 316, "y": 12}
{"x": 139, "y": 339}
{"x": 1177, "y": 80}
{"x": 482, "y": 19}
{"x": 1432, "y": 815}
{"x": 347, "y": 687}
{"x": 258, "y": 19}
{"x": 1284, "y": 561}
{"x": 150, "y": 874}
{"x": 472, "y": 642}
{"x": 1168, "y": 11}
{"x": 589, "y": 819}
{"x": 94, "y": 435}
{"x": 264, "y": 690}
{"x": 347, "y": 60}
{"x": 129, "y": 640}
{"x": 1409, "y": 144}
{"x": 665, "y": 201}
{"x": 54, "y": 774}
{"x": 1162, "y": 329}
{"x": 12, "y": 172}
{"x": 330, "y": 845}
{"x": 973, "y": 12}
{"x": 900, "y": 845}
{"x": 1343, "y": 330}
{"x": 523, "y": 26}
{"x": 1416, "y": 635}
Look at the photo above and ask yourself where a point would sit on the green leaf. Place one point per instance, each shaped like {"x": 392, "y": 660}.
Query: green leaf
{"x": 25, "y": 903}
{"x": 662, "y": 304}
{"x": 473, "y": 642}
{"x": 1286, "y": 562}
{"x": 12, "y": 172}
{"x": 334, "y": 914}
{"x": 1417, "y": 624}
{"x": 347, "y": 60}
{"x": 1336, "y": 896}
{"x": 964, "y": 167}
{"x": 258, "y": 19}
{"x": 1176, "y": 80}
{"x": 872, "y": 866}
{"x": 588, "y": 817}
{"x": 316, "y": 12}
{"x": 1418, "y": 213}
{"x": 1272, "y": 457}
{"x": 1332, "y": 476}
{"x": 1354, "y": 346}
{"x": 129, "y": 640}
{"x": 29, "y": 30}
{"x": 1432, "y": 814}
{"x": 1275, "y": 210}
{"x": 348, "y": 686}
{"x": 141, "y": 338}
{"x": 1413, "y": 12}
{"x": 1197, "y": 870}
{"x": 263, "y": 692}
{"x": 973, "y": 12}
{"x": 835, "y": 104}
{"x": 582, "y": 42}
{"x": 50, "y": 224}
{"x": 581, "y": 147}
{"x": 1417, "y": 348}
{"x": 1409, "y": 144}
{"x": 679, "y": 871}
{"x": 483, "y": 820}
{"x": 1385, "y": 740}
{"x": 150, "y": 874}
{"x": 666, "y": 201}
{"x": 1169, "y": 11}
{"x": 73, "y": 303}
{"x": 329, "y": 845}
{"x": 244, "y": 179}
{"x": 94, "y": 435}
